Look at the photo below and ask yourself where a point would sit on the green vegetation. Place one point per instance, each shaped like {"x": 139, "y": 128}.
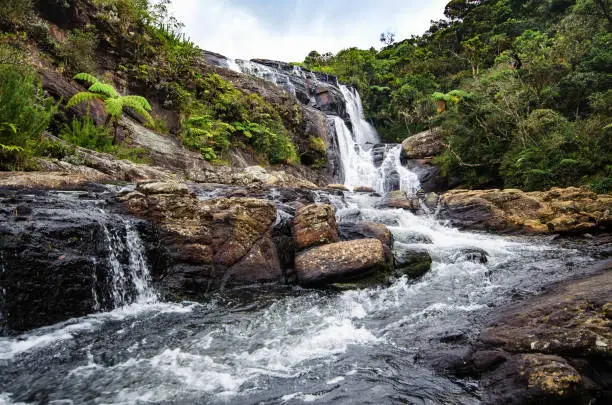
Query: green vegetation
{"x": 521, "y": 90}
{"x": 24, "y": 114}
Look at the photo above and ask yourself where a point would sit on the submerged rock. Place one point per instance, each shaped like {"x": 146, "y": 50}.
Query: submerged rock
{"x": 315, "y": 225}
{"x": 475, "y": 255}
{"x": 410, "y": 261}
{"x": 358, "y": 260}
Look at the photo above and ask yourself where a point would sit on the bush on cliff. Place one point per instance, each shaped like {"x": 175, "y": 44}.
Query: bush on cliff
{"x": 25, "y": 112}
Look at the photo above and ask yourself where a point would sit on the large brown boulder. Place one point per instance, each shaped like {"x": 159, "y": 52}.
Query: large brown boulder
{"x": 423, "y": 145}
{"x": 342, "y": 262}
{"x": 209, "y": 243}
{"x": 315, "y": 225}
{"x": 570, "y": 210}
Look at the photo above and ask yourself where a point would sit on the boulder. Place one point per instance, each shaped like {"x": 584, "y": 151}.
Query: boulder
{"x": 424, "y": 145}
{"x": 566, "y": 211}
{"x": 410, "y": 261}
{"x": 364, "y": 189}
{"x": 342, "y": 262}
{"x": 212, "y": 243}
{"x": 315, "y": 225}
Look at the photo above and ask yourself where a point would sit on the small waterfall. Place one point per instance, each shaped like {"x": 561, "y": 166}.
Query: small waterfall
{"x": 365, "y": 134}
{"x": 129, "y": 280}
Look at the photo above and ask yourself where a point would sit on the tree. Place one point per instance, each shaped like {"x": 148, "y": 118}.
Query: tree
{"x": 114, "y": 104}
{"x": 387, "y": 38}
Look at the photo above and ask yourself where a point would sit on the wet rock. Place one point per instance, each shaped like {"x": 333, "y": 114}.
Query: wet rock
{"x": 378, "y": 154}
{"x": 430, "y": 176}
{"x": 342, "y": 262}
{"x": 554, "y": 348}
{"x": 423, "y": 145}
{"x": 315, "y": 225}
{"x": 54, "y": 255}
{"x": 410, "y": 261}
{"x": 399, "y": 199}
{"x": 365, "y": 230}
{"x": 475, "y": 255}
{"x": 565, "y": 211}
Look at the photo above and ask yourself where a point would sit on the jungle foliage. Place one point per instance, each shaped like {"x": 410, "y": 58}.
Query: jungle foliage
{"x": 521, "y": 89}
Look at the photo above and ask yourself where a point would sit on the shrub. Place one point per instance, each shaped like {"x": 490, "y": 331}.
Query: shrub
{"x": 86, "y": 134}
{"x": 15, "y": 12}
{"x": 77, "y": 53}
{"x": 24, "y": 110}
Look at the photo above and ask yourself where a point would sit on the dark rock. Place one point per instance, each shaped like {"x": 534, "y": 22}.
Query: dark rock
{"x": 365, "y": 230}
{"x": 411, "y": 262}
{"x": 551, "y": 349}
{"x": 430, "y": 176}
{"x": 55, "y": 255}
{"x": 344, "y": 262}
{"x": 378, "y": 154}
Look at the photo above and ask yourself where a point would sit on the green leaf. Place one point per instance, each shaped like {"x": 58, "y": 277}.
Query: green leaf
{"x": 87, "y": 78}
{"x": 103, "y": 89}
{"x": 81, "y": 98}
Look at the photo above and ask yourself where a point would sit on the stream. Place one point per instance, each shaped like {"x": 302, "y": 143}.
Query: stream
{"x": 275, "y": 344}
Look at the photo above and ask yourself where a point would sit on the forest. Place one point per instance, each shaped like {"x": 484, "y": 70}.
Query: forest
{"x": 520, "y": 90}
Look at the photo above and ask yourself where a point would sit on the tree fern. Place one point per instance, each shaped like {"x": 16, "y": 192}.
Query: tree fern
{"x": 114, "y": 104}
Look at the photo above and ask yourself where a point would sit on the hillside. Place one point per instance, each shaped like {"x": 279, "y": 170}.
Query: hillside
{"x": 520, "y": 89}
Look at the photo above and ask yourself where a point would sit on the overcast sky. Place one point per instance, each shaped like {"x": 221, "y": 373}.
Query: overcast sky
{"x": 288, "y": 29}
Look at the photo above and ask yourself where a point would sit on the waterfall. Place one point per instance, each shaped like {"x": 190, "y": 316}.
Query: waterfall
{"x": 357, "y": 153}
{"x": 129, "y": 280}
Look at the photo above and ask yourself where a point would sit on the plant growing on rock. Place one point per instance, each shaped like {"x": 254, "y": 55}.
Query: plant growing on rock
{"x": 114, "y": 104}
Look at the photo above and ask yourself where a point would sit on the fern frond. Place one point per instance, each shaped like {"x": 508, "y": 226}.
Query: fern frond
{"x": 87, "y": 78}
{"x": 104, "y": 89}
{"x": 136, "y": 102}
{"x": 114, "y": 107}
{"x": 80, "y": 98}
{"x": 142, "y": 112}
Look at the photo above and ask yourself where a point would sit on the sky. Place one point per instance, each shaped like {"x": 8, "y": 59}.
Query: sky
{"x": 288, "y": 30}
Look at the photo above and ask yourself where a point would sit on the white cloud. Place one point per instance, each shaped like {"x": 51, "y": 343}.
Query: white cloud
{"x": 233, "y": 28}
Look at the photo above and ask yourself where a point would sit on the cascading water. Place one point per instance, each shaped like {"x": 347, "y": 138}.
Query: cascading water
{"x": 290, "y": 346}
{"x": 131, "y": 282}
